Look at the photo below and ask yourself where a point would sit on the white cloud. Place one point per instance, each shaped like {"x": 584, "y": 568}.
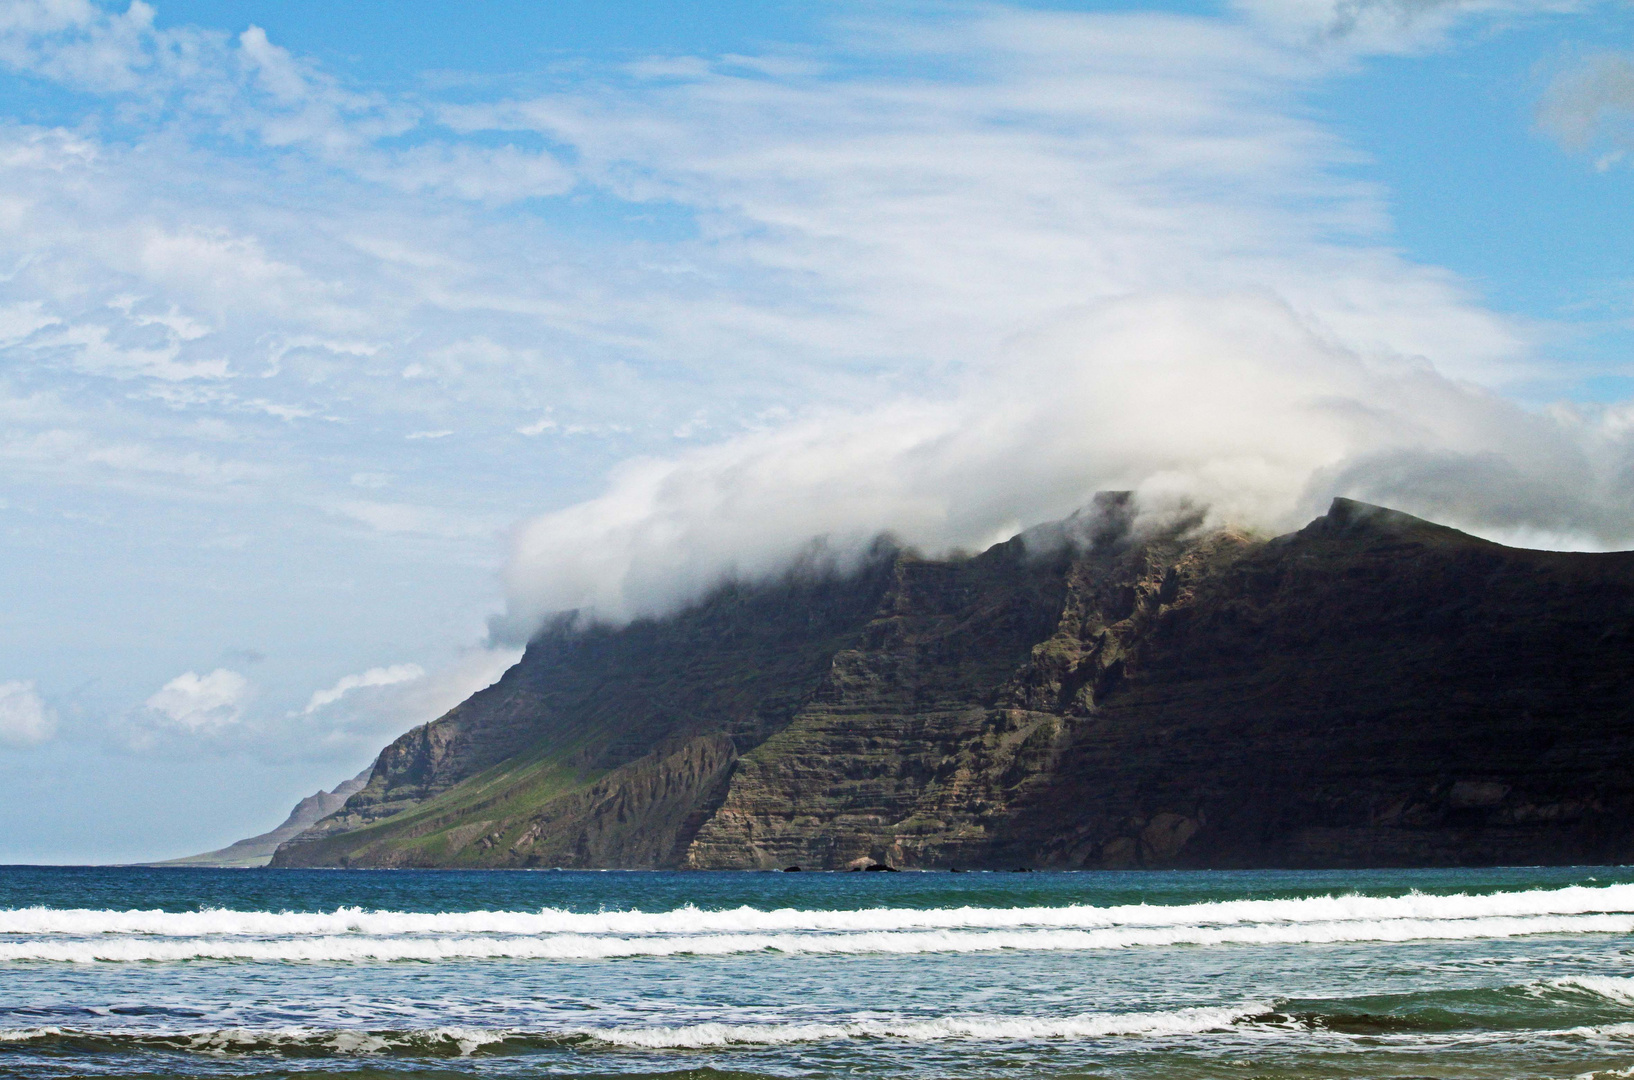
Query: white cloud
{"x": 395, "y": 701}
{"x": 1385, "y": 26}
{"x": 19, "y": 321}
{"x": 75, "y": 42}
{"x": 925, "y": 220}
{"x": 25, "y": 720}
{"x": 200, "y": 704}
{"x": 215, "y": 714}
{"x": 60, "y": 452}
{"x": 1590, "y": 100}
{"x": 379, "y": 676}
{"x": 403, "y": 518}
{"x": 92, "y": 351}
{"x": 548, "y": 423}
{"x": 221, "y": 269}
{"x": 501, "y": 174}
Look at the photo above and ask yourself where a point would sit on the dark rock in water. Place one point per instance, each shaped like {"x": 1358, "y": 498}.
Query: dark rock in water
{"x": 1373, "y": 690}
{"x": 881, "y": 866}
{"x": 791, "y": 869}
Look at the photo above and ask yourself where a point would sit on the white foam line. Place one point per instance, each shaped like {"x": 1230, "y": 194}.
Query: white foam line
{"x": 690, "y": 1036}
{"x": 576, "y": 946}
{"x": 466, "y": 1040}
{"x": 693, "y": 1036}
{"x": 223, "y": 1040}
{"x": 1619, "y": 989}
{"x": 28, "y": 1034}
{"x": 1573, "y": 900}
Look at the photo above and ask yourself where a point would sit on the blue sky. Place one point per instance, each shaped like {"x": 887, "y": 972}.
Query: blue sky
{"x": 341, "y": 343}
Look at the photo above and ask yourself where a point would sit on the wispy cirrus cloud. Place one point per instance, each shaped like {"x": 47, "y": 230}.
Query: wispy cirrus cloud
{"x": 376, "y": 676}
{"x": 1359, "y": 27}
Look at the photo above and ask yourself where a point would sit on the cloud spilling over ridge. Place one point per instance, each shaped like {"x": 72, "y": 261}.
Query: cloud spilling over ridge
{"x": 1115, "y": 269}
{"x": 1234, "y": 402}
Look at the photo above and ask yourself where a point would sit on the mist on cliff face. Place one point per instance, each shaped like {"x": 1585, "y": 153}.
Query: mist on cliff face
{"x": 1235, "y": 403}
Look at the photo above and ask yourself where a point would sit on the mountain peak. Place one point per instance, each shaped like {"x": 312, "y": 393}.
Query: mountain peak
{"x": 1353, "y": 519}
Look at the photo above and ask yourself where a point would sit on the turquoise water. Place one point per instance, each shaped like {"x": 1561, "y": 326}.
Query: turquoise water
{"x": 185, "y": 972}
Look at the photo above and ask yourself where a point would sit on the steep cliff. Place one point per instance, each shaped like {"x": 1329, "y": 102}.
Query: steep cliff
{"x": 1372, "y": 690}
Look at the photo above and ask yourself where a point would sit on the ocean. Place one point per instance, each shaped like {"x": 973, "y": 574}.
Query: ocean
{"x": 399, "y": 974}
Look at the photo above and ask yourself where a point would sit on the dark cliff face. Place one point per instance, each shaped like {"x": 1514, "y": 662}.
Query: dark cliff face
{"x": 1372, "y": 690}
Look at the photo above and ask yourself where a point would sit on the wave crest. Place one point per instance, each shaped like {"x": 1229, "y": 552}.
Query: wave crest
{"x": 465, "y": 1041}
{"x": 580, "y": 947}
{"x": 1572, "y": 900}
{"x": 353, "y": 934}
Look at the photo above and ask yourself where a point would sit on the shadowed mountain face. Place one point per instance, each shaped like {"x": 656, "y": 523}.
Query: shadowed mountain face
{"x": 1372, "y": 690}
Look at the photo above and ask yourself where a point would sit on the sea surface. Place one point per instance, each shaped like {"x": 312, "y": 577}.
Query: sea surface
{"x": 399, "y": 974}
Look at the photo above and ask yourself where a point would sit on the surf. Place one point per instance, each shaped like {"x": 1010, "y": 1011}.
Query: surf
{"x": 111, "y": 948}
{"x": 689, "y": 919}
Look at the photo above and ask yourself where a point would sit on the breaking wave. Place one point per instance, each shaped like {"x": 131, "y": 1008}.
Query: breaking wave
{"x": 465, "y": 1041}
{"x": 1092, "y": 1025}
{"x": 1429, "y": 1020}
{"x": 1574, "y": 900}
{"x": 581, "y": 947}
{"x": 353, "y": 934}
{"x": 289, "y": 1041}
{"x": 1613, "y": 988}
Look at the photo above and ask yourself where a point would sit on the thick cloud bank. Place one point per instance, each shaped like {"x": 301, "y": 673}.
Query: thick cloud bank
{"x": 1232, "y": 402}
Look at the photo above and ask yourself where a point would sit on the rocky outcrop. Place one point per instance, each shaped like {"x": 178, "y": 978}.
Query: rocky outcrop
{"x": 1372, "y": 690}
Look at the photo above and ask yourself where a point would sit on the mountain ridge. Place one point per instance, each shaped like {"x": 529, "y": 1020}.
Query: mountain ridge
{"x": 1086, "y": 695}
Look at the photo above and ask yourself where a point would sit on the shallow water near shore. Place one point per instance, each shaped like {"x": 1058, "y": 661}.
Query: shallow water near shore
{"x": 260, "y": 973}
